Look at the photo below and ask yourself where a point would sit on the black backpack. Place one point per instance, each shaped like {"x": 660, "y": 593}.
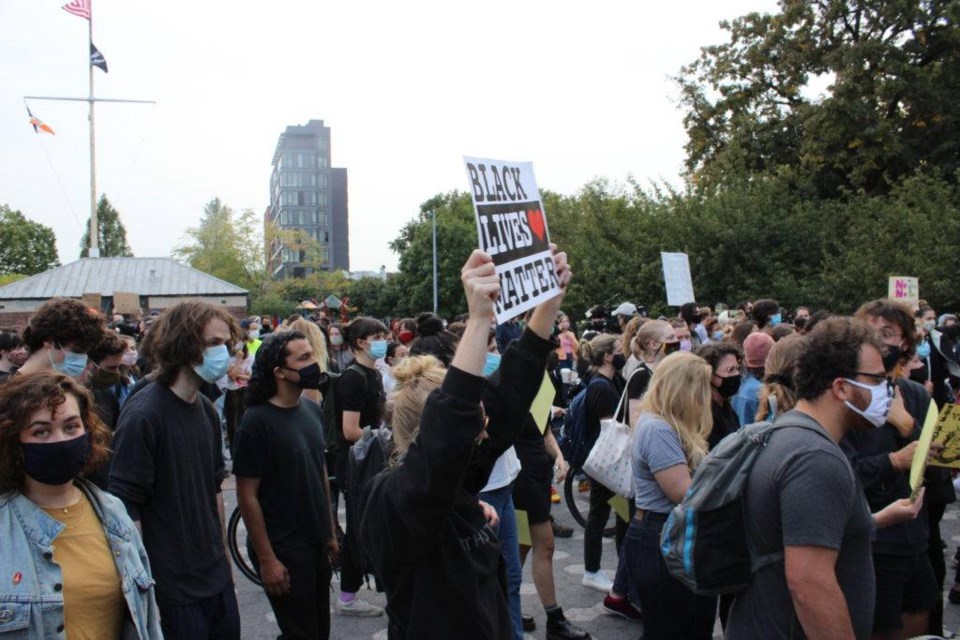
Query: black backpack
{"x": 368, "y": 457}
{"x": 573, "y": 440}
{"x": 704, "y": 541}
{"x": 329, "y": 407}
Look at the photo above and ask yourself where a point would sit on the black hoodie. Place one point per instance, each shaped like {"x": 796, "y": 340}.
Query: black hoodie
{"x": 430, "y": 545}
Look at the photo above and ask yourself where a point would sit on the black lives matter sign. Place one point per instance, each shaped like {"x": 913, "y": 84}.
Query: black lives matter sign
{"x": 512, "y": 227}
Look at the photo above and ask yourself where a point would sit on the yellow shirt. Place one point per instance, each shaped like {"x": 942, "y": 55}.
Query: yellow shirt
{"x": 93, "y": 603}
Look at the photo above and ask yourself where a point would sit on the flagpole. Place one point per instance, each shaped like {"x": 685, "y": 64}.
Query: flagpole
{"x": 94, "y": 251}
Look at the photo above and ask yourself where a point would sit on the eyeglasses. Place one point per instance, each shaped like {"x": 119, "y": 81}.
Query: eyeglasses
{"x": 891, "y": 388}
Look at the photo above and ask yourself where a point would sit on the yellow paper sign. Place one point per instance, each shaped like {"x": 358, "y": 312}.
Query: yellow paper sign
{"x": 621, "y": 507}
{"x": 919, "y": 464}
{"x": 947, "y": 434}
{"x": 543, "y": 403}
{"x": 523, "y": 529}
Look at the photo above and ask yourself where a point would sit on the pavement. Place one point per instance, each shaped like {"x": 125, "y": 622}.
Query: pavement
{"x": 581, "y": 605}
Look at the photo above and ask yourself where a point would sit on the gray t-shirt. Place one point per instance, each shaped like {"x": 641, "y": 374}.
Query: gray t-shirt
{"x": 803, "y": 492}
{"x": 656, "y": 447}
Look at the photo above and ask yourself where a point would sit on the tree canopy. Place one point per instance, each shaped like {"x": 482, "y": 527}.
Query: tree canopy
{"x": 111, "y": 234}
{"x": 26, "y": 247}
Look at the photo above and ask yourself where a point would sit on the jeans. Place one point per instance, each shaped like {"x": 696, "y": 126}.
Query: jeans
{"x": 622, "y": 585}
{"x": 670, "y": 610}
{"x": 502, "y": 500}
{"x": 596, "y": 522}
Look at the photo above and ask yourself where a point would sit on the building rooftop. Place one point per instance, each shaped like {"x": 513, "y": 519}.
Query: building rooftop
{"x": 145, "y": 276}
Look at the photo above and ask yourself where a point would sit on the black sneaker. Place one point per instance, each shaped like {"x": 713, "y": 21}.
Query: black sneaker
{"x": 560, "y": 531}
{"x": 529, "y": 624}
{"x": 563, "y": 629}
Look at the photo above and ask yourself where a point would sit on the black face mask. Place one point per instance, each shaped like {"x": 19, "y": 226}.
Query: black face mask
{"x": 670, "y": 347}
{"x": 55, "y": 462}
{"x": 310, "y": 376}
{"x": 619, "y": 361}
{"x": 891, "y": 357}
{"x": 728, "y": 386}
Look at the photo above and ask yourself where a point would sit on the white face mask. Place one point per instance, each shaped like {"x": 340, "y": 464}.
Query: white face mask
{"x": 880, "y": 400}
{"x": 254, "y": 334}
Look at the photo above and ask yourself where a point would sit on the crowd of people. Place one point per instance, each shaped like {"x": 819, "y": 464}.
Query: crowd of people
{"x": 116, "y": 435}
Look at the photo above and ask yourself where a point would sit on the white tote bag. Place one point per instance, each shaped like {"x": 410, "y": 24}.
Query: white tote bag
{"x": 610, "y": 461}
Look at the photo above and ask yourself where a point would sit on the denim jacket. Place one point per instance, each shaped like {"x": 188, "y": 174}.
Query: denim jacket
{"x": 31, "y": 583}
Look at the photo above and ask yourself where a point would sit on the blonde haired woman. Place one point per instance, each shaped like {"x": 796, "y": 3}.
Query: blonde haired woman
{"x": 655, "y": 340}
{"x": 671, "y": 440}
{"x": 432, "y": 546}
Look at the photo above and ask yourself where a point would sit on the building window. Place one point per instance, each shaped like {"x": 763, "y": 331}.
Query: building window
{"x": 322, "y": 180}
{"x": 321, "y": 198}
{"x": 322, "y": 219}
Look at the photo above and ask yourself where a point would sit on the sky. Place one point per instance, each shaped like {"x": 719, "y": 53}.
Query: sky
{"x": 583, "y": 90}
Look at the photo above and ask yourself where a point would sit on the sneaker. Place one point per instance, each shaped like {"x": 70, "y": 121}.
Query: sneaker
{"x": 554, "y": 496}
{"x": 597, "y": 580}
{"x": 622, "y": 607}
{"x": 560, "y": 531}
{"x": 358, "y": 608}
{"x": 563, "y": 629}
{"x": 529, "y": 624}
{"x": 583, "y": 486}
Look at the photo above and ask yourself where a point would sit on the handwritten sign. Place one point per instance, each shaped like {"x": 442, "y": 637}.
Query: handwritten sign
{"x": 676, "y": 276}
{"x": 946, "y": 433}
{"x": 512, "y": 227}
{"x": 126, "y": 302}
{"x": 903, "y": 288}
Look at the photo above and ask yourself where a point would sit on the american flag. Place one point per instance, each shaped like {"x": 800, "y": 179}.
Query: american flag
{"x": 78, "y": 8}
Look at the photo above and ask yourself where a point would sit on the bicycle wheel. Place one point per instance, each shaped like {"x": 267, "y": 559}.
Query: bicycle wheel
{"x": 578, "y": 502}
{"x": 237, "y": 542}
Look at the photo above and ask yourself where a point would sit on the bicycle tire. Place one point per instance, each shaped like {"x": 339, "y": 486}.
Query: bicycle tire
{"x": 570, "y": 492}
{"x": 240, "y": 560}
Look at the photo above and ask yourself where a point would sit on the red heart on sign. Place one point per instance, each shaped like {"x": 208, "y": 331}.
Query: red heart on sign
{"x": 535, "y": 219}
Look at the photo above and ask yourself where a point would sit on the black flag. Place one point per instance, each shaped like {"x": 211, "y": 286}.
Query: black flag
{"x": 97, "y": 59}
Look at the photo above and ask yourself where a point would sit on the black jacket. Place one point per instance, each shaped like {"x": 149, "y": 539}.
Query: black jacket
{"x": 426, "y": 535}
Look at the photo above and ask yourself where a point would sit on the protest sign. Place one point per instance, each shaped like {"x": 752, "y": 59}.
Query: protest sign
{"x": 621, "y": 507}
{"x": 125, "y": 302}
{"x": 512, "y": 228}
{"x": 676, "y": 276}
{"x": 904, "y": 289}
{"x": 946, "y": 433}
{"x": 921, "y": 455}
{"x": 542, "y": 405}
{"x": 92, "y": 300}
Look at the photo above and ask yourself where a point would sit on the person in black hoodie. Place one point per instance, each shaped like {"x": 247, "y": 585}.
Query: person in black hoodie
{"x": 430, "y": 542}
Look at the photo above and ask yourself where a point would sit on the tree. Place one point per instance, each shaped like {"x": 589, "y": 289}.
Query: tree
{"x": 894, "y": 74}
{"x": 456, "y": 238}
{"x": 111, "y": 234}
{"x": 26, "y": 247}
{"x": 217, "y": 246}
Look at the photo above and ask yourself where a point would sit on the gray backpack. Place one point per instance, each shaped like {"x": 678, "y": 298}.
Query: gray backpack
{"x": 704, "y": 541}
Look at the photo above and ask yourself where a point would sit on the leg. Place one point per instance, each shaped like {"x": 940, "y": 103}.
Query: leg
{"x": 543, "y": 547}
{"x": 298, "y": 612}
{"x": 596, "y": 521}
{"x": 935, "y": 551}
{"x": 502, "y": 500}
{"x": 225, "y": 623}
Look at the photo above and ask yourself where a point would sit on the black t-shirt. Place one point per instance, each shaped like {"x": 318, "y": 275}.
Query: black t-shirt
{"x": 364, "y": 394}
{"x": 602, "y": 399}
{"x": 167, "y": 468}
{"x": 638, "y": 382}
{"x": 725, "y": 422}
{"x": 284, "y": 448}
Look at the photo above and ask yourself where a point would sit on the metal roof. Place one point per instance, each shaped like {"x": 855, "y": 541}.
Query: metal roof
{"x": 144, "y": 276}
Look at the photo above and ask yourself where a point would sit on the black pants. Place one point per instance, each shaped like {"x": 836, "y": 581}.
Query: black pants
{"x": 596, "y": 523}
{"x": 233, "y": 408}
{"x": 216, "y": 618}
{"x": 304, "y": 613}
{"x": 935, "y": 511}
{"x": 351, "y": 576}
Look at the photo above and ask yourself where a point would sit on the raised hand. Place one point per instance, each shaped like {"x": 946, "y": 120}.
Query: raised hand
{"x": 481, "y": 284}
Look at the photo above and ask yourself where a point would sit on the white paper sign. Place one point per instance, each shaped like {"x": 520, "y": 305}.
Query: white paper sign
{"x": 512, "y": 227}
{"x": 676, "y": 275}
{"x": 903, "y": 288}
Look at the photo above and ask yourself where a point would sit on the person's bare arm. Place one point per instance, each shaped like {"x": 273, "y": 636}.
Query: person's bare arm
{"x": 276, "y": 578}
{"x": 817, "y": 598}
{"x": 352, "y": 430}
{"x": 553, "y": 450}
{"x": 674, "y": 481}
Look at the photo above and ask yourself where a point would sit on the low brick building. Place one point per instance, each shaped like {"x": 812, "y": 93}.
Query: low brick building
{"x": 153, "y": 283}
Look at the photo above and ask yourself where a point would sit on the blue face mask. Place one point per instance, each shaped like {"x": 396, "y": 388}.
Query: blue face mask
{"x": 216, "y": 361}
{"x": 492, "y": 364}
{"x": 378, "y": 349}
{"x": 775, "y": 320}
{"x": 923, "y": 350}
{"x": 718, "y": 335}
{"x": 73, "y": 363}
